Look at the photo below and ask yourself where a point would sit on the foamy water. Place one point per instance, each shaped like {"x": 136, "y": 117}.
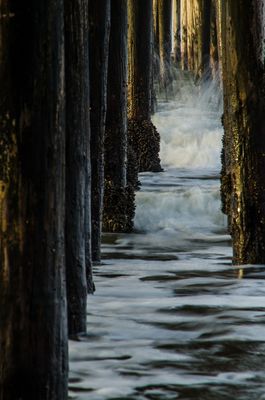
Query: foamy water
{"x": 171, "y": 318}
{"x": 183, "y": 202}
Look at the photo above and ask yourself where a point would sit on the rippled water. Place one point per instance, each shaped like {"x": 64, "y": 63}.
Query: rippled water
{"x": 171, "y": 318}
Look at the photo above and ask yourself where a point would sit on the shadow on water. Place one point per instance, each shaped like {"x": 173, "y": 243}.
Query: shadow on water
{"x": 171, "y": 318}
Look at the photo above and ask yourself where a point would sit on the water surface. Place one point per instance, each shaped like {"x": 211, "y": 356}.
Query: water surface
{"x": 171, "y": 318}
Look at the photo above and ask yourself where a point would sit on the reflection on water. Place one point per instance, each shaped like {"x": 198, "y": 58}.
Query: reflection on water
{"x": 171, "y": 318}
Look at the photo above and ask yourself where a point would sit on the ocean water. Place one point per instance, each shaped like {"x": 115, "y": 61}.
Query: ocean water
{"x": 171, "y": 317}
